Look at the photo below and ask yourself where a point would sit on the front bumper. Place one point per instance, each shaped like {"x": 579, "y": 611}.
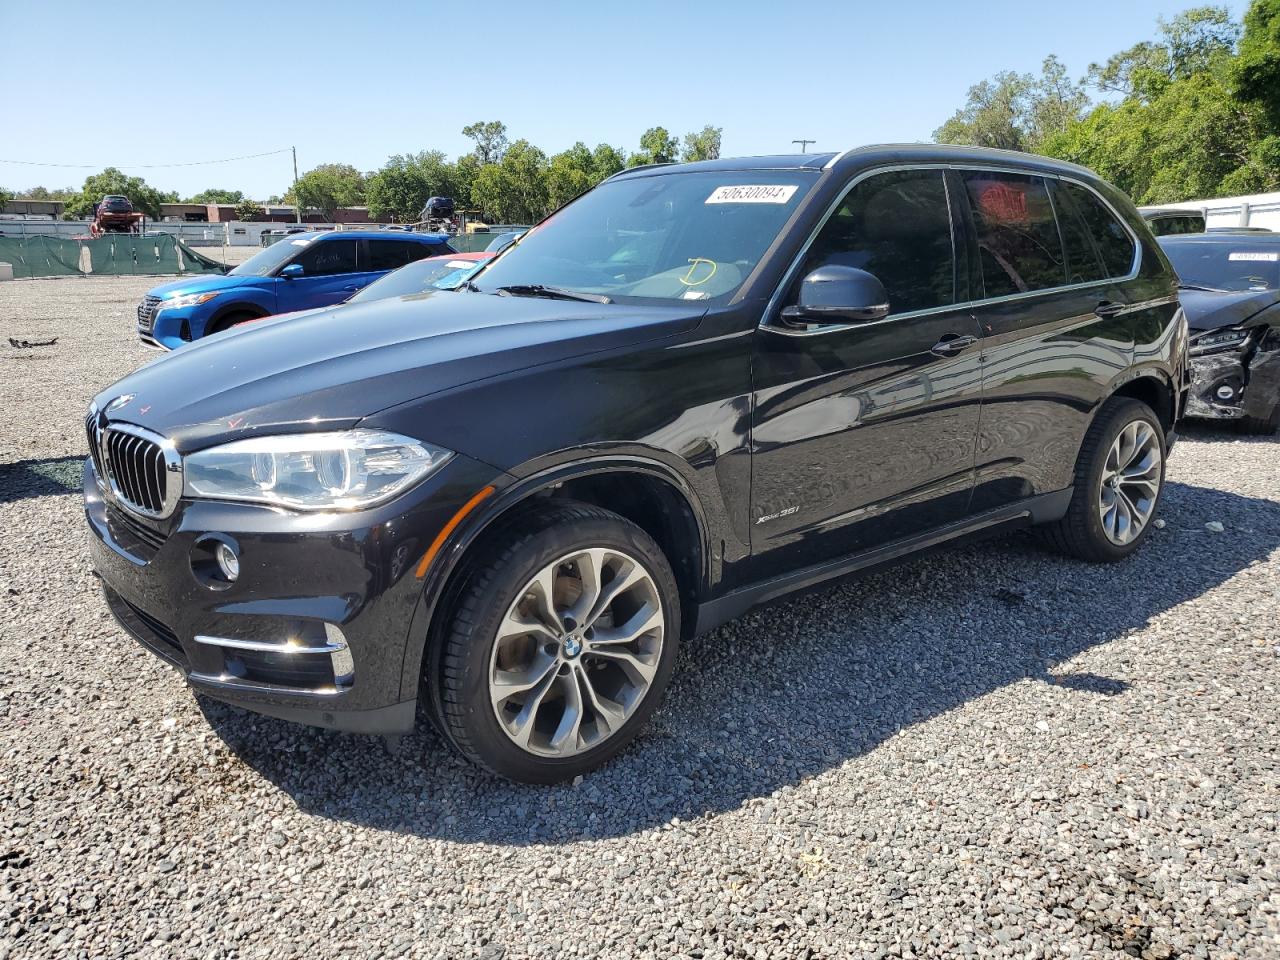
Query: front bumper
{"x": 170, "y": 329}
{"x": 316, "y": 627}
{"x": 1234, "y": 384}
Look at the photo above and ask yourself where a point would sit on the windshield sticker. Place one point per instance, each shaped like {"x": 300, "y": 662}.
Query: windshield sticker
{"x": 763, "y": 193}
{"x": 1258, "y": 257}
{"x": 459, "y": 264}
{"x": 695, "y": 295}
{"x": 700, "y": 271}
{"x": 301, "y": 241}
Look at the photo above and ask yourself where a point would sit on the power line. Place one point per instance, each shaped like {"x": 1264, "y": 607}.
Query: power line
{"x": 145, "y": 166}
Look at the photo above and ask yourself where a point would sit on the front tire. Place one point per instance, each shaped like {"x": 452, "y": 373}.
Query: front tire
{"x": 1261, "y": 426}
{"x": 1119, "y": 477}
{"x": 560, "y": 646}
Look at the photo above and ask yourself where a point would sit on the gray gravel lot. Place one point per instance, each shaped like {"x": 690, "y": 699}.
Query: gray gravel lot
{"x": 992, "y": 751}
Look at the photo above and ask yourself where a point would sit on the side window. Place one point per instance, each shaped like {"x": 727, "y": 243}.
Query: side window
{"x": 326, "y": 257}
{"x": 896, "y": 226}
{"x": 420, "y": 251}
{"x": 1114, "y": 244}
{"x": 1018, "y": 244}
{"x": 1084, "y": 265}
{"x": 393, "y": 254}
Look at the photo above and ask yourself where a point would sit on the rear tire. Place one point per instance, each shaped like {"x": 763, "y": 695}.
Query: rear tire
{"x": 537, "y": 680}
{"x": 1119, "y": 477}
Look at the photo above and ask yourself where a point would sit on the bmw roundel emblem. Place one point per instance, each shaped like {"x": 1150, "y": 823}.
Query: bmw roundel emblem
{"x": 120, "y": 401}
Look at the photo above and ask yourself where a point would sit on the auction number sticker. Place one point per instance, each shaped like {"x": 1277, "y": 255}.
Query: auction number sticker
{"x": 1258, "y": 257}
{"x": 747, "y": 193}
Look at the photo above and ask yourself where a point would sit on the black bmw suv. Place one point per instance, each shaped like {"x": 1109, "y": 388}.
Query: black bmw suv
{"x": 692, "y": 390}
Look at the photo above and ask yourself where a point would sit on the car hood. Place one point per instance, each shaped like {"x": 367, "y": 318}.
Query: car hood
{"x": 330, "y": 368}
{"x": 1213, "y": 309}
{"x": 205, "y": 283}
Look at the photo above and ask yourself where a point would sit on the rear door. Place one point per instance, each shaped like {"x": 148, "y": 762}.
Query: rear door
{"x": 864, "y": 433}
{"x": 1052, "y": 315}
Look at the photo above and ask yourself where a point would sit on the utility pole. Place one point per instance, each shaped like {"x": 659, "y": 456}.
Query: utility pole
{"x": 803, "y": 145}
{"x": 297, "y": 201}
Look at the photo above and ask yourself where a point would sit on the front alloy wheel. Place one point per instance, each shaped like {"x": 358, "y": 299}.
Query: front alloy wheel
{"x": 559, "y": 644}
{"x": 576, "y": 652}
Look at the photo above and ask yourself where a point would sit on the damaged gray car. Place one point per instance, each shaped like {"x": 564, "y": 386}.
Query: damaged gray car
{"x": 1230, "y": 291}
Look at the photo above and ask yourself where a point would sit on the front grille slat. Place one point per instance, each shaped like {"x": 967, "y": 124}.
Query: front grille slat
{"x": 136, "y": 467}
{"x": 147, "y": 313}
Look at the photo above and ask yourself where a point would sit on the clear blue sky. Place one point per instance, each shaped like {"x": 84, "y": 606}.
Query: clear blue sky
{"x": 132, "y": 83}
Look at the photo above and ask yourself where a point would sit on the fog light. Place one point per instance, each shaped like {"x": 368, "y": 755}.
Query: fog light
{"x": 1226, "y": 392}
{"x": 228, "y": 562}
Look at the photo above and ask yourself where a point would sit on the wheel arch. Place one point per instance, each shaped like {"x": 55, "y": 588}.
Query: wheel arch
{"x": 216, "y": 322}
{"x": 646, "y": 492}
{"x": 1156, "y": 390}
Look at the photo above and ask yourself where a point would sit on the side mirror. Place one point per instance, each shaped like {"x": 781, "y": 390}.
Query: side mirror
{"x": 292, "y": 271}
{"x": 838, "y": 294}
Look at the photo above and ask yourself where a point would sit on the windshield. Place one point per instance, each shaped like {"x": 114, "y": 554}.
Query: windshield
{"x": 1227, "y": 266}
{"x": 264, "y": 263}
{"x": 424, "y": 276}
{"x": 673, "y": 236}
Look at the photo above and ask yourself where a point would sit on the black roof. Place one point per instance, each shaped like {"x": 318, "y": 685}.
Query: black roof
{"x": 861, "y": 156}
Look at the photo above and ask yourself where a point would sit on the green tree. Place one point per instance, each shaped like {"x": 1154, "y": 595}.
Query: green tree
{"x": 490, "y": 137}
{"x": 400, "y": 190}
{"x": 703, "y": 145}
{"x": 1255, "y": 75}
{"x": 1191, "y": 42}
{"x": 215, "y": 195}
{"x": 5, "y": 196}
{"x": 569, "y": 174}
{"x": 249, "y": 210}
{"x": 656, "y": 146}
{"x": 328, "y": 187}
{"x": 44, "y": 193}
{"x": 994, "y": 114}
{"x": 113, "y": 181}
{"x": 607, "y": 160}
{"x": 514, "y": 190}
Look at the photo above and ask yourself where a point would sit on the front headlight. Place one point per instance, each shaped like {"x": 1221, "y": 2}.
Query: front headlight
{"x": 1215, "y": 340}
{"x": 347, "y": 470}
{"x": 190, "y": 300}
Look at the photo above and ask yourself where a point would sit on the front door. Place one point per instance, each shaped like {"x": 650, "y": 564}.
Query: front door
{"x": 864, "y": 434}
{"x": 329, "y": 276}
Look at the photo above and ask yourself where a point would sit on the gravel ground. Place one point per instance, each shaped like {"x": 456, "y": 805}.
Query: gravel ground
{"x": 992, "y": 751}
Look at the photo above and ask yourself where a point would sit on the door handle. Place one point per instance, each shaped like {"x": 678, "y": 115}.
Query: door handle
{"x": 952, "y": 344}
{"x": 1108, "y": 308}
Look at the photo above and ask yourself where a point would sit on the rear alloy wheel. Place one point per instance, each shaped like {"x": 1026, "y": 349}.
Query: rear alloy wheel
{"x": 560, "y": 644}
{"x": 1116, "y": 489}
{"x": 1130, "y": 482}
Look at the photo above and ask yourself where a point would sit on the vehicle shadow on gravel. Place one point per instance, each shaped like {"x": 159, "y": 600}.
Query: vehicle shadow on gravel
{"x": 788, "y": 692}
{"x": 50, "y": 477}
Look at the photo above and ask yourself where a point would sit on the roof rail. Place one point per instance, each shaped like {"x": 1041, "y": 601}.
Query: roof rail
{"x": 643, "y": 166}
{"x": 837, "y": 158}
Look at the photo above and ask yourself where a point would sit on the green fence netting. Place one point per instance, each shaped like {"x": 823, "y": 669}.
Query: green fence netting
{"x": 117, "y": 254}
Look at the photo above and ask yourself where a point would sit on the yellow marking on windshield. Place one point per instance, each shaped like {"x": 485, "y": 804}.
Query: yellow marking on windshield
{"x": 688, "y": 280}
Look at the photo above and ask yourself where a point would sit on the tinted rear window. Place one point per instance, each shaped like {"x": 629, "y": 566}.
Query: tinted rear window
{"x": 1018, "y": 242}
{"x": 1115, "y": 245}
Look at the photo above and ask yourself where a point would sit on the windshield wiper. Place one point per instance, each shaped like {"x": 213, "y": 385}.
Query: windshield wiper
{"x": 551, "y": 293}
{"x": 1200, "y": 286}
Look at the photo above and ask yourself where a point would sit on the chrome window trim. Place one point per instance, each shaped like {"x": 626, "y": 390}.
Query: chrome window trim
{"x": 773, "y": 305}
{"x": 172, "y": 465}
